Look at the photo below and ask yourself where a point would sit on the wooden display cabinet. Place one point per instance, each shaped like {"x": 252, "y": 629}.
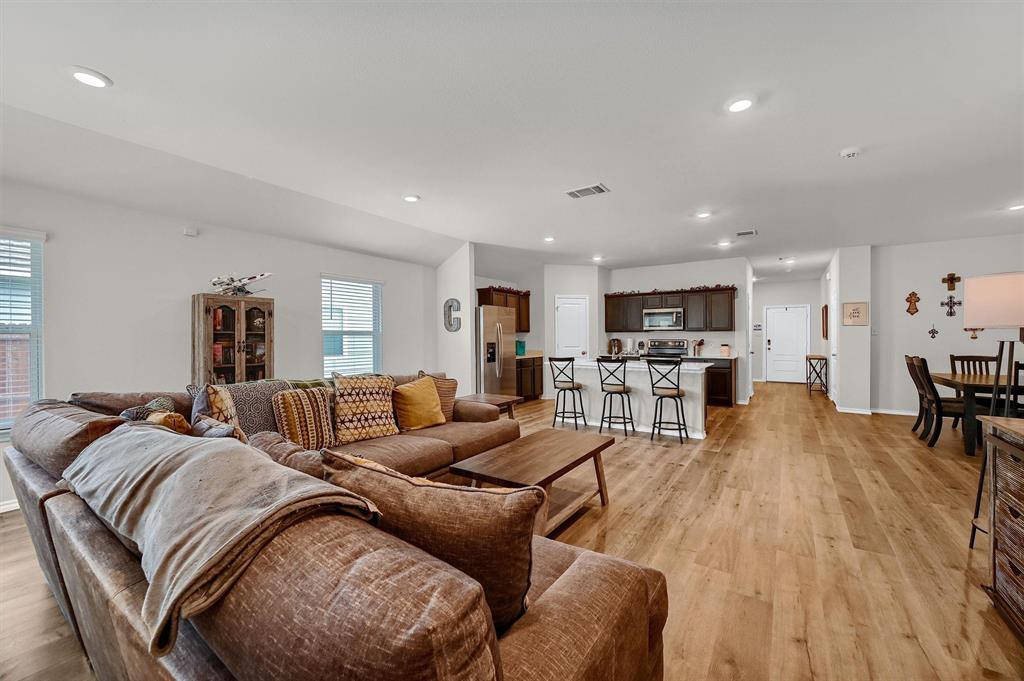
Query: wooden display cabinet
{"x": 232, "y": 338}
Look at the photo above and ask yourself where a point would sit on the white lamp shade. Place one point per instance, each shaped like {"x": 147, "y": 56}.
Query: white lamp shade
{"x": 994, "y": 301}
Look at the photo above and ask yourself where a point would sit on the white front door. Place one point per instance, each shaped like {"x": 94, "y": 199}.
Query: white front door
{"x": 572, "y": 322}
{"x": 786, "y": 339}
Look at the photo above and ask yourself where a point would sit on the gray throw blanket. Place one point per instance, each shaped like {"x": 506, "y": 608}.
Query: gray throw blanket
{"x": 199, "y": 509}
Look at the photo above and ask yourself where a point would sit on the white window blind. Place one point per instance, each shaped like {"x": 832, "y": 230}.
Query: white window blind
{"x": 21, "y": 324}
{"x": 350, "y": 321}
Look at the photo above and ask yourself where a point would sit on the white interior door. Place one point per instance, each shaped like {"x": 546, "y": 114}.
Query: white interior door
{"x": 786, "y": 340}
{"x": 572, "y": 321}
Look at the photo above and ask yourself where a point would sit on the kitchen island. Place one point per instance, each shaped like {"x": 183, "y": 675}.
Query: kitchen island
{"x": 692, "y": 379}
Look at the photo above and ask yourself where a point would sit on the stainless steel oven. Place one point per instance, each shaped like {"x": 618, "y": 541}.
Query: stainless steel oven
{"x": 665, "y": 319}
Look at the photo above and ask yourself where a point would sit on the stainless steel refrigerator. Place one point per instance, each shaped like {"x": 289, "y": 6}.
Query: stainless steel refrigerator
{"x": 496, "y": 350}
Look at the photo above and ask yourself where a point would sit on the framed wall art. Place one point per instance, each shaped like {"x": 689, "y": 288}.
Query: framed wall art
{"x": 824, "y": 321}
{"x": 855, "y": 314}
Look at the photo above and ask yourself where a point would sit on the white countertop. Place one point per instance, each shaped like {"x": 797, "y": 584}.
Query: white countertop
{"x": 688, "y": 367}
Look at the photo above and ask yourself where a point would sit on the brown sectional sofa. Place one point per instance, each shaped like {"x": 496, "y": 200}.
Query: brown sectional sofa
{"x": 334, "y": 597}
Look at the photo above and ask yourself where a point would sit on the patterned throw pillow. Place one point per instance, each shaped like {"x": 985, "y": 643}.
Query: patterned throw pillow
{"x": 304, "y": 416}
{"x": 486, "y": 533}
{"x": 246, "y": 405}
{"x": 446, "y": 389}
{"x": 362, "y": 408}
{"x": 143, "y": 412}
{"x": 296, "y": 383}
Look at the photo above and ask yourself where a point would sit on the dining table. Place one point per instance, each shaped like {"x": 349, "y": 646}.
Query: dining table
{"x": 970, "y": 385}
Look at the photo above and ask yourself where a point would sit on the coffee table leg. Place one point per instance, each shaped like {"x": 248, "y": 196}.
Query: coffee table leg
{"x": 474, "y": 483}
{"x": 540, "y": 526}
{"x": 602, "y": 487}
{"x": 511, "y": 412}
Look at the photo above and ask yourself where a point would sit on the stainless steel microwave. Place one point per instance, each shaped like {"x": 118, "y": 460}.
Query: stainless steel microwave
{"x": 665, "y": 319}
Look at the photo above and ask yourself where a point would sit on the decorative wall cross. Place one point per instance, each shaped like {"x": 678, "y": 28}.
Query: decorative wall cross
{"x": 934, "y": 332}
{"x": 950, "y": 303}
{"x": 913, "y": 299}
{"x": 950, "y": 280}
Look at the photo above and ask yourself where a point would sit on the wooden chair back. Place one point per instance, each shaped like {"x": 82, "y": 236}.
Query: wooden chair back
{"x": 612, "y": 373}
{"x": 972, "y": 364}
{"x": 925, "y": 377}
{"x": 562, "y": 370}
{"x": 913, "y": 375}
{"x": 664, "y": 373}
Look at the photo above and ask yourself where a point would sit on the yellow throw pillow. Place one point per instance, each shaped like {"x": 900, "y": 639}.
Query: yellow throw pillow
{"x": 172, "y": 420}
{"x": 362, "y": 408}
{"x": 417, "y": 405}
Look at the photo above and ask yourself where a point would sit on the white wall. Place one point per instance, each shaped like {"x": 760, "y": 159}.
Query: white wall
{"x": 118, "y": 286}
{"x": 805, "y": 292}
{"x": 854, "y": 342}
{"x": 456, "y": 351}
{"x": 898, "y": 270}
{"x": 727, "y": 272}
{"x": 573, "y": 280}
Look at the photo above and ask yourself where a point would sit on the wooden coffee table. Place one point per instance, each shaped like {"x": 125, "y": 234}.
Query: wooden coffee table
{"x": 540, "y": 459}
{"x": 504, "y": 403}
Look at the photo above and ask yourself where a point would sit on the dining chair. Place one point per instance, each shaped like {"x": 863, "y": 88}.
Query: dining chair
{"x": 972, "y": 364}
{"x": 938, "y": 407}
{"x": 563, "y": 376}
{"x": 612, "y": 373}
{"x": 921, "y": 410}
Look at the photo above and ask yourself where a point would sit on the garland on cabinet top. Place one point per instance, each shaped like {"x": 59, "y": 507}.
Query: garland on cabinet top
{"x": 672, "y": 290}
{"x": 505, "y": 289}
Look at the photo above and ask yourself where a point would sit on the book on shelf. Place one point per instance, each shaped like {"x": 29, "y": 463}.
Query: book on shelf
{"x": 218, "y": 319}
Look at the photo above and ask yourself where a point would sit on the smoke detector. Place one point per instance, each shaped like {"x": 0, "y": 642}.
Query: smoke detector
{"x": 849, "y": 153}
{"x": 588, "y": 191}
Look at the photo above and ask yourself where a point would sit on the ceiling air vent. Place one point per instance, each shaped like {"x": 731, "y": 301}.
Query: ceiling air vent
{"x": 747, "y": 233}
{"x": 588, "y": 191}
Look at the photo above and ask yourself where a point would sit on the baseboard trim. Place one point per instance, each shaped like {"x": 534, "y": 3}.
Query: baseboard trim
{"x": 545, "y": 396}
{"x": 852, "y": 410}
{"x": 894, "y": 412}
{"x": 8, "y": 506}
{"x": 758, "y": 380}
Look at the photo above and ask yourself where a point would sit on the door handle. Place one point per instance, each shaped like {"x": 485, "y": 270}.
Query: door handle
{"x": 499, "y": 362}
{"x": 769, "y": 344}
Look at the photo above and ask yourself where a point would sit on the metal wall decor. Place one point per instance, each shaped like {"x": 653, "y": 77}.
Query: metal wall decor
{"x": 950, "y": 303}
{"x": 934, "y": 332}
{"x": 913, "y": 299}
{"x": 451, "y": 322}
{"x": 950, "y": 280}
{"x": 974, "y": 333}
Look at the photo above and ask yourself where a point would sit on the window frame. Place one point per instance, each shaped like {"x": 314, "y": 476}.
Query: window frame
{"x": 376, "y": 333}
{"x": 35, "y": 330}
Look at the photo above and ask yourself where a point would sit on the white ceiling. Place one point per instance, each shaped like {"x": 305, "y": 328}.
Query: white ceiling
{"x": 492, "y": 111}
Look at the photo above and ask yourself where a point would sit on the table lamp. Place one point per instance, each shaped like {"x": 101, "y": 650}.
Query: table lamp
{"x": 996, "y": 301}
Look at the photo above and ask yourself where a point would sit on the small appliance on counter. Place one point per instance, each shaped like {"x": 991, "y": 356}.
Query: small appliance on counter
{"x": 724, "y": 350}
{"x": 629, "y": 346}
{"x": 641, "y": 348}
{"x": 520, "y": 348}
{"x": 614, "y": 346}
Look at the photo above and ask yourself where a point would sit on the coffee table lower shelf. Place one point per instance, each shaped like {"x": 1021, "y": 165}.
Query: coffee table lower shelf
{"x": 561, "y": 505}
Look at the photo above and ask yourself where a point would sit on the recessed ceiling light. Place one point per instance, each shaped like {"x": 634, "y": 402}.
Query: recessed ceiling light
{"x": 704, "y": 214}
{"x": 740, "y": 105}
{"x": 412, "y": 198}
{"x": 790, "y": 261}
{"x": 753, "y": 279}
{"x": 598, "y": 258}
{"x": 1019, "y": 206}
{"x": 90, "y": 77}
{"x": 549, "y": 239}
{"x": 724, "y": 243}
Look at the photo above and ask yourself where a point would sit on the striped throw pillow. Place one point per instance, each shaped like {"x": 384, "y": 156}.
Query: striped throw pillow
{"x": 446, "y": 389}
{"x": 304, "y": 416}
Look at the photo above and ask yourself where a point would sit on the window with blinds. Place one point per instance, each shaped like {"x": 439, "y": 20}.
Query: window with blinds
{"x": 21, "y": 324}
{"x": 351, "y": 326}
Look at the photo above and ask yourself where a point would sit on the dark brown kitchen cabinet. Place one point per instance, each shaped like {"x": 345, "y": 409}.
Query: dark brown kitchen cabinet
{"x": 672, "y": 300}
{"x": 721, "y": 380}
{"x": 720, "y": 310}
{"x": 653, "y": 302}
{"x": 695, "y": 311}
{"x": 623, "y": 313}
{"x": 519, "y": 301}
{"x": 529, "y": 377}
{"x": 634, "y": 314}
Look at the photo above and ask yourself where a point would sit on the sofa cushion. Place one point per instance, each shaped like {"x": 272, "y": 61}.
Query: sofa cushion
{"x": 469, "y": 439}
{"x": 142, "y": 412}
{"x": 446, "y": 389}
{"x": 333, "y": 598}
{"x": 417, "y": 405}
{"x": 296, "y": 383}
{"x": 363, "y": 408}
{"x": 287, "y": 453}
{"x": 113, "y": 404}
{"x": 486, "y": 533}
{"x": 403, "y": 453}
{"x": 304, "y": 416}
{"x": 52, "y": 433}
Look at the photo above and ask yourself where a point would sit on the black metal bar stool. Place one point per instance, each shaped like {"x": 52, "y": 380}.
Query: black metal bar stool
{"x": 612, "y": 373}
{"x": 564, "y": 378}
{"x": 817, "y": 372}
{"x": 665, "y": 379}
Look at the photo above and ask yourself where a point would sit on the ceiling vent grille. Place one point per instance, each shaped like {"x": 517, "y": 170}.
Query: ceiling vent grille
{"x": 588, "y": 191}
{"x": 747, "y": 234}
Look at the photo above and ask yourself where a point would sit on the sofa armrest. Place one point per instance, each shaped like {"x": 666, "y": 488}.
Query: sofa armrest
{"x": 591, "y": 625}
{"x": 475, "y": 411}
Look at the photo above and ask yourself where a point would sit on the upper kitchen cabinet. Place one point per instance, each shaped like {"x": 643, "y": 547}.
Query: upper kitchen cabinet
{"x": 696, "y": 311}
{"x": 721, "y": 311}
{"x": 623, "y": 313}
{"x": 519, "y": 301}
{"x": 706, "y": 309}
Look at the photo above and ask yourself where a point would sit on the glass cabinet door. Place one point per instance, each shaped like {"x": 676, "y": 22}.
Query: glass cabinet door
{"x": 256, "y": 341}
{"x": 223, "y": 350}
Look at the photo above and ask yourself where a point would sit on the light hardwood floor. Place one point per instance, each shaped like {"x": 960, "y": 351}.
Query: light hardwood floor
{"x": 798, "y": 543}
